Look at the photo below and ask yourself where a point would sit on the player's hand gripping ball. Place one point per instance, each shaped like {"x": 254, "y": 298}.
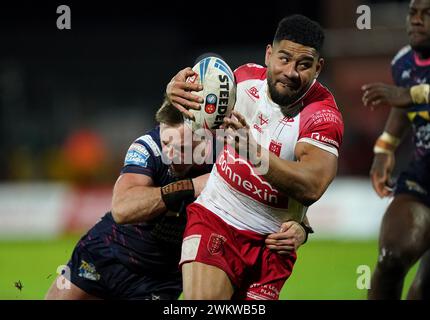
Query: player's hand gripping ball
{"x": 219, "y": 93}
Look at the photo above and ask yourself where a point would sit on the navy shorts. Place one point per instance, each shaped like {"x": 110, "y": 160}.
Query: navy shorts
{"x": 412, "y": 183}
{"x": 95, "y": 269}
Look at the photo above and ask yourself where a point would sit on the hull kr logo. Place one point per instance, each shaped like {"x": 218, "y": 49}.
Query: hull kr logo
{"x": 215, "y": 243}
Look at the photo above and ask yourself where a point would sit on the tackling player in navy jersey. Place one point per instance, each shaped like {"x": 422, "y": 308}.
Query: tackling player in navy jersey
{"x": 405, "y": 230}
{"x": 139, "y": 260}
{"x": 133, "y": 252}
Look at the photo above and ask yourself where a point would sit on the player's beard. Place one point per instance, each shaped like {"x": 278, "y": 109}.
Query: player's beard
{"x": 279, "y": 98}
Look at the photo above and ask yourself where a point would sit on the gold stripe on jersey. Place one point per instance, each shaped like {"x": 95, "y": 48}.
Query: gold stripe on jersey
{"x": 422, "y": 114}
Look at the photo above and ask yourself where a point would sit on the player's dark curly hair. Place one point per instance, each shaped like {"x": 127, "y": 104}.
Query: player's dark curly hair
{"x": 300, "y": 29}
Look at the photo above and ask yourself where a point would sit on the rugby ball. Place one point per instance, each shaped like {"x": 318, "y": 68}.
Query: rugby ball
{"x": 219, "y": 93}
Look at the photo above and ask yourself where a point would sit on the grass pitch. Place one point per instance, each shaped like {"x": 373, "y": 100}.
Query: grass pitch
{"x": 324, "y": 269}
{"x": 328, "y": 270}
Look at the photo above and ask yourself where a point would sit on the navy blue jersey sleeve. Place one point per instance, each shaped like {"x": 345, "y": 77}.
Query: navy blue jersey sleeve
{"x": 394, "y": 75}
{"x": 400, "y": 66}
{"x": 139, "y": 159}
{"x": 144, "y": 155}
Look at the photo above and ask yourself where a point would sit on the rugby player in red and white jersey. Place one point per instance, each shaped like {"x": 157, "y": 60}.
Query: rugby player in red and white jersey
{"x": 223, "y": 252}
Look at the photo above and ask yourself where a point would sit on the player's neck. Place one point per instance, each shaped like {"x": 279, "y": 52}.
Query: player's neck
{"x": 292, "y": 109}
{"x": 422, "y": 60}
{"x": 423, "y": 54}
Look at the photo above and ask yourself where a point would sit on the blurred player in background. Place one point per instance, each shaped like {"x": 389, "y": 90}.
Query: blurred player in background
{"x": 133, "y": 252}
{"x": 223, "y": 251}
{"x": 405, "y": 230}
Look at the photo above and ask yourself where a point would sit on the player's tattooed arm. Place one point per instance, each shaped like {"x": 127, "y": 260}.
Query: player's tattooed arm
{"x": 135, "y": 198}
{"x": 384, "y": 95}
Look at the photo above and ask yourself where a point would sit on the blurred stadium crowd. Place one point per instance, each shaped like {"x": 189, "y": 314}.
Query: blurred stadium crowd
{"x": 72, "y": 101}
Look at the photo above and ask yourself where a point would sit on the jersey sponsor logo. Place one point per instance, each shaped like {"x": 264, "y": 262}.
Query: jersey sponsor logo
{"x": 139, "y": 148}
{"x": 325, "y": 116}
{"x": 215, "y": 244}
{"x": 151, "y": 143}
{"x": 259, "y": 291}
{"x": 318, "y": 136}
{"x": 88, "y": 271}
{"x": 275, "y": 147}
{"x": 240, "y": 175}
{"x": 137, "y": 155}
{"x": 253, "y": 91}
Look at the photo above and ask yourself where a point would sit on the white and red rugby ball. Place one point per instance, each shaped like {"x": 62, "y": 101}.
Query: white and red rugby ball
{"x": 219, "y": 93}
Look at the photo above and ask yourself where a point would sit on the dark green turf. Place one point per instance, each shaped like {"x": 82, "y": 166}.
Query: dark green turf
{"x": 324, "y": 270}
{"x": 328, "y": 270}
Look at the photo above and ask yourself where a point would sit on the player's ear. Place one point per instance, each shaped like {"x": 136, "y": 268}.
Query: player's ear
{"x": 268, "y": 54}
{"x": 319, "y": 66}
